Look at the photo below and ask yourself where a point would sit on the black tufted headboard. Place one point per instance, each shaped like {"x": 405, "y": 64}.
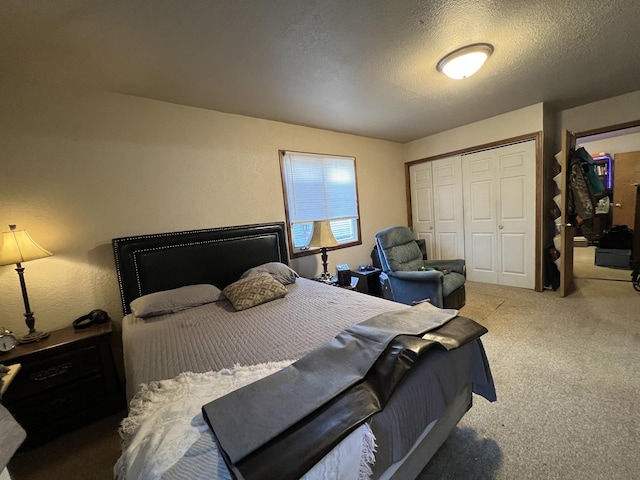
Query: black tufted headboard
{"x": 155, "y": 262}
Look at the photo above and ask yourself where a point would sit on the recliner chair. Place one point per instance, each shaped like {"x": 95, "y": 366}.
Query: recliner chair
{"x": 412, "y": 278}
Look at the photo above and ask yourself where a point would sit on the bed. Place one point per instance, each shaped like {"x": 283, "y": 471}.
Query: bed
{"x": 203, "y": 346}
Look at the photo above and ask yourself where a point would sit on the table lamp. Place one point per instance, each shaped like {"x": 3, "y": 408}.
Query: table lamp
{"x": 17, "y": 247}
{"x": 323, "y": 238}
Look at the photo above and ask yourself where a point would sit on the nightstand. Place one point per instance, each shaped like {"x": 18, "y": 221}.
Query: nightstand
{"x": 368, "y": 281}
{"x": 66, "y": 381}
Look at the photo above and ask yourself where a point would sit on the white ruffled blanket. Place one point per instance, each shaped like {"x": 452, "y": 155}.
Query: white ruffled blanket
{"x": 165, "y": 420}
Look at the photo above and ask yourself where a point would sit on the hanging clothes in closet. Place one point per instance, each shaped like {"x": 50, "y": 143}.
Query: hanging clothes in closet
{"x": 586, "y": 190}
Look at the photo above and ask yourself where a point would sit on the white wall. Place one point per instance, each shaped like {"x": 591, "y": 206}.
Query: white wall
{"x": 613, "y": 145}
{"x": 612, "y": 111}
{"x": 82, "y": 167}
{"x": 519, "y": 122}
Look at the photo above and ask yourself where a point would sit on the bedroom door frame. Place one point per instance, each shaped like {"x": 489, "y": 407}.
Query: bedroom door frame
{"x": 566, "y": 265}
{"x": 567, "y": 230}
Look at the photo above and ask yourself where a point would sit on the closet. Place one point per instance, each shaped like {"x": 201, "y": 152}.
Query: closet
{"x": 436, "y": 207}
{"x": 480, "y": 206}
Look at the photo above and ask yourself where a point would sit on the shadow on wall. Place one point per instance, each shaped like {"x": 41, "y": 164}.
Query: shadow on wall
{"x": 104, "y": 292}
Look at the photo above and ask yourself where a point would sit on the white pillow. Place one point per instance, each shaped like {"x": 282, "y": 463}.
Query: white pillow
{"x": 171, "y": 301}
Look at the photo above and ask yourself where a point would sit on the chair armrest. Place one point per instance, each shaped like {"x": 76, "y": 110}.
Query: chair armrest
{"x": 410, "y": 286}
{"x": 417, "y": 276}
{"x": 454, "y": 265}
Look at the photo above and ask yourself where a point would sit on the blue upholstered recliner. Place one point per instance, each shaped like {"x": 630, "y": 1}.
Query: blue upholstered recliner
{"x": 412, "y": 278}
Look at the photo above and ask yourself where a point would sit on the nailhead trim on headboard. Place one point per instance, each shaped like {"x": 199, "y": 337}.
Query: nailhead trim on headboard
{"x": 245, "y": 232}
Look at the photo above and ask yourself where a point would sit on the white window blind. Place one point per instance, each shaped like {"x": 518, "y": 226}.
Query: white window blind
{"x": 320, "y": 187}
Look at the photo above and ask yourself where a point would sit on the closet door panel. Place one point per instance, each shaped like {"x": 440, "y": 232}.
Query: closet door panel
{"x": 445, "y": 245}
{"x": 436, "y": 207}
{"x": 448, "y": 208}
{"x": 445, "y": 201}
{"x": 424, "y": 209}
{"x": 499, "y": 192}
{"x": 512, "y": 201}
{"x": 479, "y": 194}
{"x": 422, "y": 205}
{"x": 513, "y": 255}
{"x": 482, "y": 248}
{"x": 447, "y": 219}
{"x": 516, "y": 214}
{"x": 482, "y": 208}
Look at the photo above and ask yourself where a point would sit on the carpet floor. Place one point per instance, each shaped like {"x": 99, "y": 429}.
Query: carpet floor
{"x": 566, "y": 373}
{"x": 584, "y": 267}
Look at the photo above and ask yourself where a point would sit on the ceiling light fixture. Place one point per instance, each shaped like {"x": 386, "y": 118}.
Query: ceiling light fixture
{"x": 465, "y": 61}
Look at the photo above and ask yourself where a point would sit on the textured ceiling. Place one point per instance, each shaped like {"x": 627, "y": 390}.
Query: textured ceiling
{"x": 365, "y": 67}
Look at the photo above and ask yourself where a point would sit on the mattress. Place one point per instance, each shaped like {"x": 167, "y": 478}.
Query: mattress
{"x": 213, "y": 337}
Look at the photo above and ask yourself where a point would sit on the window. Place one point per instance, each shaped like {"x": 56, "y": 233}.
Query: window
{"x": 319, "y": 187}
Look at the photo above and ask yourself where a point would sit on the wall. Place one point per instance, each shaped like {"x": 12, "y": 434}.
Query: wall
{"x": 82, "y": 167}
{"x": 512, "y": 124}
{"x": 613, "y": 145}
{"x": 538, "y": 117}
{"x": 519, "y": 122}
{"x": 612, "y": 111}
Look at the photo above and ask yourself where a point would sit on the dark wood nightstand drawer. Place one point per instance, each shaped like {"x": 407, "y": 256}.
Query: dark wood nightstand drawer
{"x": 60, "y": 403}
{"x": 66, "y": 380}
{"x": 54, "y": 371}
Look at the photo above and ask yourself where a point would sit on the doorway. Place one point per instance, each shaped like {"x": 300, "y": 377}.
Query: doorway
{"x": 623, "y": 143}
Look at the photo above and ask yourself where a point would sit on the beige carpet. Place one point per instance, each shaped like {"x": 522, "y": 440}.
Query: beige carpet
{"x": 566, "y": 373}
{"x": 584, "y": 266}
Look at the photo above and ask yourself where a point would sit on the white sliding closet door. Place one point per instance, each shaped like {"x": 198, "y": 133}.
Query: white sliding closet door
{"x": 436, "y": 204}
{"x": 422, "y": 204}
{"x": 499, "y": 211}
{"x": 447, "y": 208}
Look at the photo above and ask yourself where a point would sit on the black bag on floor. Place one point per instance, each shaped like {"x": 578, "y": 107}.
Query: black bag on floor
{"x": 617, "y": 236}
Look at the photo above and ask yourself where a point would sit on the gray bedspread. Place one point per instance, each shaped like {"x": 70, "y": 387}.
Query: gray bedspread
{"x": 214, "y": 336}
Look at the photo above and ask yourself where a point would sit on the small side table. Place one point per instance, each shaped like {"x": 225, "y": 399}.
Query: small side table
{"x": 368, "y": 281}
{"x": 67, "y": 380}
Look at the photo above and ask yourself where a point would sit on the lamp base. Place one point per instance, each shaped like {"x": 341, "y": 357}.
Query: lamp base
{"x": 33, "y": 337}
{"x": 326, "y": 276}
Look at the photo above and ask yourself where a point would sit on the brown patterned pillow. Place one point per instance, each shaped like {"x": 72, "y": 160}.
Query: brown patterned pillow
{"x": 252, "y": 291}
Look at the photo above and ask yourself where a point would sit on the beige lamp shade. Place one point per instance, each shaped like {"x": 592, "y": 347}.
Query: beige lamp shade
{"x": 322, "y": 235}
{"x": 17, "y": 246}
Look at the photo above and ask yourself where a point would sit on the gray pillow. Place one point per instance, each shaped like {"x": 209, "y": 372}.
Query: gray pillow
{"x": 255, "y": 290}
{"x": 279, "y": 271}
{"x": 171, "y": 301}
